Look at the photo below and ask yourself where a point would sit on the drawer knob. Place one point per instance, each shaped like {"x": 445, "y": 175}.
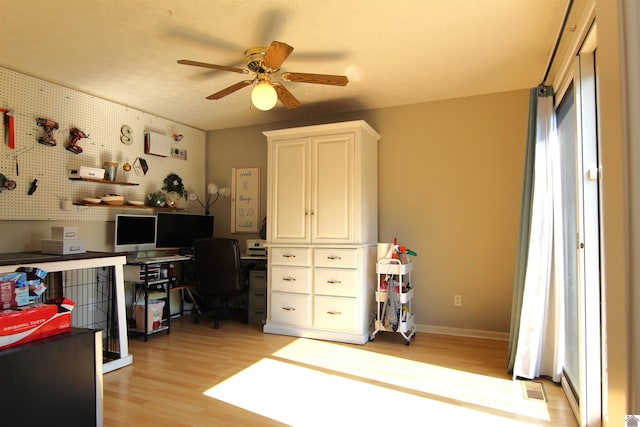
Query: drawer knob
{"x": 289, "y": 279}
{"x": 334, "y": 282}
{"x": 289, "y": 308}
{"x": 334, "y": 313}
{"x": 334, "y": 257}
{"x": 288, "y": 256}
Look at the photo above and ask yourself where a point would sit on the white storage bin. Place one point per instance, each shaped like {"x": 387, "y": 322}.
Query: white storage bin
{"x": 63, "y": 247}
{"x": 154, "y": 315}
{"x": 64, "y": 233}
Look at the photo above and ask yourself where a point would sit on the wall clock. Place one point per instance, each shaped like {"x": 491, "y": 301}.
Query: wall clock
{"x": 127, "y": 134}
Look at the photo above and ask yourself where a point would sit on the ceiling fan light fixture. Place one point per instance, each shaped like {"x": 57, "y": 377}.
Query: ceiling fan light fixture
{"x": 264, "y": 96}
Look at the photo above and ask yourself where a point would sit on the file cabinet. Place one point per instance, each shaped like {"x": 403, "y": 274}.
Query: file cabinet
{"x": 257, "y": 297}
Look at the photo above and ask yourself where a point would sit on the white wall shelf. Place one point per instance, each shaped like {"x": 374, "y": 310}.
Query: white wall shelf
{"x": 104, "y": 181}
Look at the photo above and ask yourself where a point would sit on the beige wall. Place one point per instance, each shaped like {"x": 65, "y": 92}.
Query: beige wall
{"x": 20, "y": 236}
{"x": 450, "y": 180}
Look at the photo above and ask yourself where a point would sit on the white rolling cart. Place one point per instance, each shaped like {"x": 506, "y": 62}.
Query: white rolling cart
{"x": 394, "y": 292}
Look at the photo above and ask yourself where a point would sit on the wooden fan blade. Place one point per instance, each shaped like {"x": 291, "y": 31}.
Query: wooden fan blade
{"x": 285, "y": 96}
{"x": 322, "y": 79}
{"x": 230, "y": 89}
{"x": 214, "y": 66}
{"x": 276, "y": 54}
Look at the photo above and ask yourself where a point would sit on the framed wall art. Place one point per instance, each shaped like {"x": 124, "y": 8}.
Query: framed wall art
{"x": 245, "y": 200}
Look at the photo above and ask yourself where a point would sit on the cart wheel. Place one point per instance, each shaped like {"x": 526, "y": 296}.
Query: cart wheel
{"x": 407, "y": 342}
{"x": 196, "y": 320}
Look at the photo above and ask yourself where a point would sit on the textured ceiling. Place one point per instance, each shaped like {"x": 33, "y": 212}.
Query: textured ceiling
{"x": 393, "y": 52}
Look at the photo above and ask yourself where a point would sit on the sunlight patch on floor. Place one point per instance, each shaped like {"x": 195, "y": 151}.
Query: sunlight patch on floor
{"x": 484, "y": 391}
{"x": 313, "y": 382}
{"x": 301, "y": 396}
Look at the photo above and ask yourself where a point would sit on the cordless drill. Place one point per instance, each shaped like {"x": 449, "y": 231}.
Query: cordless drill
{"x": 76, "y": 135}
{"x": 49, "y": 126}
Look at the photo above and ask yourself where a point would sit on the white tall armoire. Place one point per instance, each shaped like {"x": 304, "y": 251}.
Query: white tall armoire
{"x": 322, "y": 231}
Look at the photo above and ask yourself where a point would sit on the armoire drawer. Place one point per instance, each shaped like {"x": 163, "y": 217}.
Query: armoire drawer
{"x": 334, "y": 313}
{"x": 290, "y": 256}
{"x": 335, "y": 282}
{"x": 335, "y": 258}
{"x": 290, "y": 279}
{"x": 293, "y": 309}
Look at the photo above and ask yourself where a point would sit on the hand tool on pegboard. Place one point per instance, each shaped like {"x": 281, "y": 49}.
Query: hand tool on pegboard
{"x": 49, "y": 126}
{"x": 9, "y": 184}
{"x": 76, "y": 135}
{"x": 9, "y": 128}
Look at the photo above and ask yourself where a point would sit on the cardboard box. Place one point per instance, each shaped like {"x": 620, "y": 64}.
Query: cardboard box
{"x": 14, "y": 290}
{"x": 63, "y": 247}
{"x": 64, "y": 233}
{"x": 22, "y": 325}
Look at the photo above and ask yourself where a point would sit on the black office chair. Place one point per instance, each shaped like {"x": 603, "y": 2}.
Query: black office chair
{"x": 219, "y": 276}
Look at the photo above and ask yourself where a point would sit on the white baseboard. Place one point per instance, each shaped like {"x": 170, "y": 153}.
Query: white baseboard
{"x": 299, "y": 331}
{"x": 474, "y": 333}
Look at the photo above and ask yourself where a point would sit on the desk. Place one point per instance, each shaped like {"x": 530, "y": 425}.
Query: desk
{"x": 52, "y": 263}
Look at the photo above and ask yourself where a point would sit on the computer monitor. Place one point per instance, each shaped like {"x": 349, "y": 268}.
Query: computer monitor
{"x": 135, "y": 233}
{"x": 179, "y": 230}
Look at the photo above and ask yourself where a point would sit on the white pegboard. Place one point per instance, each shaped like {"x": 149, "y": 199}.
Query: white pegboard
{"x": 30, "y": 98}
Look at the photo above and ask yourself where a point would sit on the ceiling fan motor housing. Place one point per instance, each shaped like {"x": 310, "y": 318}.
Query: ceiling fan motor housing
{"x": 254, "y": 57}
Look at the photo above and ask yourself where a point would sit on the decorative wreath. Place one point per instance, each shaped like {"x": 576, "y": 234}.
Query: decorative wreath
{"x": 173, "y": 183}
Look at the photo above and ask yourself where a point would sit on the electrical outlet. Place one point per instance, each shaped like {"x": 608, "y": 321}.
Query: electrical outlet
{"x": 457, "y": 300}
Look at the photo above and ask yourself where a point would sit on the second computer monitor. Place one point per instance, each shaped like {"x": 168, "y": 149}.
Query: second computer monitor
{"x": 179, "y": 230}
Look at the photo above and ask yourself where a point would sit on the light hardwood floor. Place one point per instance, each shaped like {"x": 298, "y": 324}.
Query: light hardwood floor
{"x": 238, "y": 376}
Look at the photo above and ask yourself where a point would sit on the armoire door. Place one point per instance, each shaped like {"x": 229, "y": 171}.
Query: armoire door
{"x": 332, "y": 189}
{"x": 289, "y": 209}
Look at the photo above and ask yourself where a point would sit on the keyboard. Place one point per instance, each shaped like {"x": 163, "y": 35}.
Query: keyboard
{"x": 158, "y": 259}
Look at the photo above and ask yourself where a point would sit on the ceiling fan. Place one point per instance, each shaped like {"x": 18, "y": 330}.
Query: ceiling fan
{"x": 263, "y": 64}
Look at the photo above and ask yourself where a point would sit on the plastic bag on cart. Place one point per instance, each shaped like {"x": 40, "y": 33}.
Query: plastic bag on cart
{"x": 392, "y": 311}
